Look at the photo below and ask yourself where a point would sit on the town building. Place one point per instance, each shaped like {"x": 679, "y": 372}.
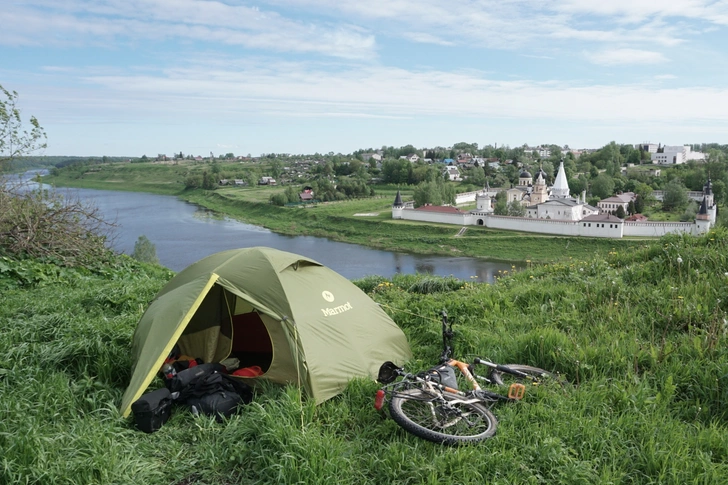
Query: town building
{"x": 676, "y": 155}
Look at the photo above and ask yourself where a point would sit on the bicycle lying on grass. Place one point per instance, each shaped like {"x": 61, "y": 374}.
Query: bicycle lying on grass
{"x": 430, "y": 405}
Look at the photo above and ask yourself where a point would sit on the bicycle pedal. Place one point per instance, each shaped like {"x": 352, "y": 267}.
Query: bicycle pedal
{"x": 516, "y": 391}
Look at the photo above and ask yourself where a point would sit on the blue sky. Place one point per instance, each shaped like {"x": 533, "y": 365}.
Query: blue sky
{"x": 134, "y": 77}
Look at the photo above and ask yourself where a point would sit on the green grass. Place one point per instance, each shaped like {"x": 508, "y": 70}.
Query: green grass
{"x": 640, "y": 335}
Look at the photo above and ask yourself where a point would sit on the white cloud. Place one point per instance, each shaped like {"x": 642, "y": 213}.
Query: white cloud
{"x": 298, "y": 90}
{"x": 636, "y": 11}
{"x": 425, "y": 38}
{"x": 613, "y": 57}
{"x": 113, "y": 23}
{"x": 347, "y": 29}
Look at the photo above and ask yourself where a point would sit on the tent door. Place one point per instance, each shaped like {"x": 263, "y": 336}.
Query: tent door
{"x": 251, "y": 342}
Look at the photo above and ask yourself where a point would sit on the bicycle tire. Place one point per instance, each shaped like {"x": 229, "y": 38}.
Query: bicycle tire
{"x": 418, "y": 412}
{"x": 504, "y": 378}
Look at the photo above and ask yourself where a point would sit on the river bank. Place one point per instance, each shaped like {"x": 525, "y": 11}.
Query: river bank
{"x": 365, "y": 221}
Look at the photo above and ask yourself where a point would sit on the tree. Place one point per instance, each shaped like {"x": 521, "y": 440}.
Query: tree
{"x": 577, "y": 186}
{"x": 145, "y": 251}
{"x": 476, "y": 176}
{"x": 15, "y": 139}
{"x": 501, "y": 204}
{"x": 675, "y": 196}
{"x": 620, "y": 212}
{"x": 291, "y": 194}
{"x": 208, "y": 181}
{"x": 719, "y": 191}
{"x": 516, "y": 209}
{"x": 279, "y": 199}
{"x": 631, "y": 208}
{"x": 427, "y": 193}
{"x": 193, "y": 181}
{"x": 602, "y": 186}
{"x": 276, "y": 168}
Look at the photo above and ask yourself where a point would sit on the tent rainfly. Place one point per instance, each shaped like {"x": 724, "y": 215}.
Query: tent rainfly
{"x": 298, "y": 320}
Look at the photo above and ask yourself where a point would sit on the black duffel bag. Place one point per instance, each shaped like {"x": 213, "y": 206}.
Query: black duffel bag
{"x": 152, "y": 410}
{"x": 185, "y": 381}
{"x": 220, "y": 404}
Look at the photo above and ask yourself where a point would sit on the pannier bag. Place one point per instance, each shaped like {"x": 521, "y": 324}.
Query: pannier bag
{"x": 152, "y": 410}
{"x": 442, "y": 374}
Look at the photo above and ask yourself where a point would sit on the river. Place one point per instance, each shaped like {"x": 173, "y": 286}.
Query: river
{"x": 184, "y": 233}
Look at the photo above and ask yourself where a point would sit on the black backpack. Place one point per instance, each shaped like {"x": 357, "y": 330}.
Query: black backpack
{"x": 207, "y": 390}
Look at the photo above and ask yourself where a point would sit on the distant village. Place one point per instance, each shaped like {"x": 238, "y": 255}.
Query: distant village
{"x": 454, "y": 166}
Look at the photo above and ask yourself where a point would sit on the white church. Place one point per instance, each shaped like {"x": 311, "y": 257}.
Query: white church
{"x": 551, "y": 210}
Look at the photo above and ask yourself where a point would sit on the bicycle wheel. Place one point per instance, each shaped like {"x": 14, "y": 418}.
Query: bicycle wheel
{"x": 452, "y": 422}
{"x": 539, "y": 376}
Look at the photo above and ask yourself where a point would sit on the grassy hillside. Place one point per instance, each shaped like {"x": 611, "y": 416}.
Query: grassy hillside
{"x": 640, "y": 335}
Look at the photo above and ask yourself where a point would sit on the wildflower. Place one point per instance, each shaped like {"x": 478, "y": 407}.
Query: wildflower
{"x": 679, "y": 297}
{"x": 531, "y": 276}
{"x": 679, "y": 260}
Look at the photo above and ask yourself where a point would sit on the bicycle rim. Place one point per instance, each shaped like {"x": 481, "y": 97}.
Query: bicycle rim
{"x": 422, "y": 414}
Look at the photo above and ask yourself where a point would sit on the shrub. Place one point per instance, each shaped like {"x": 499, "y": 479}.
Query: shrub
{"x": 43, "y": 224}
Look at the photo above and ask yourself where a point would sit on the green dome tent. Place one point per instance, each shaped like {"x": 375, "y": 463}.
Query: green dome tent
{"x": 298, "y": 320}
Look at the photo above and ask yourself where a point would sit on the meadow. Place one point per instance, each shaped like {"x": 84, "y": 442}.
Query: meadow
{"x": 640, "y": 336}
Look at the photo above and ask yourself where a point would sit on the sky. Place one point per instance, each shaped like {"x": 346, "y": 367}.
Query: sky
{"x": 146, "y": 77}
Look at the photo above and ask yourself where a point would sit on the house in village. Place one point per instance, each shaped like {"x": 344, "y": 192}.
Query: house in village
{"x": 412, "y": 157}
{"x": 453, "y": 173}
{"x": 306, "y": 195}
{"x": 611, "y": 204}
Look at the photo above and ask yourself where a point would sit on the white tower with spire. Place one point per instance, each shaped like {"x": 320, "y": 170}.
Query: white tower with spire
{"x": 560, "y": 190}
{"x": 397, "y": 206}
{"x": 482, "y": 200}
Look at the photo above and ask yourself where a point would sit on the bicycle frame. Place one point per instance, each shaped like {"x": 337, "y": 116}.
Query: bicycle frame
{"x": 389, "y": 372}
{"x": 516, "y": 390}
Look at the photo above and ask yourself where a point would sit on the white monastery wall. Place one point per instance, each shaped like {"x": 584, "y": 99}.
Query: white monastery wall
{"x": 443, "y": 218}
{"x": 657, "y": 229}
